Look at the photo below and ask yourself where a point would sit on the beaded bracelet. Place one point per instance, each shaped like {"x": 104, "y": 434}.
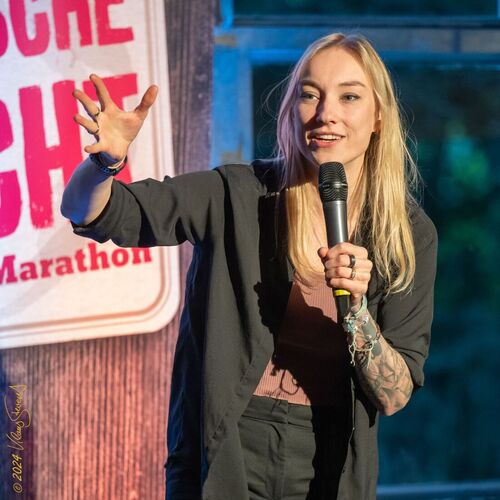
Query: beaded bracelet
{"x": 353, "y": 324}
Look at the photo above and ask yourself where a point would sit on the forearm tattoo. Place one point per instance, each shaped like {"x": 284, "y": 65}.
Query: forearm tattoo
{"x": 382, "y": 371}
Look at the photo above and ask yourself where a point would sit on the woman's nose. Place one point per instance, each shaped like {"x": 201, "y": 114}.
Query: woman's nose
{"x": 327, "y": 112}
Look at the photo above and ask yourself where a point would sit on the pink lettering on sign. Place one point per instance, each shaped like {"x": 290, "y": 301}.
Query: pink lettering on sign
{"x": 10, "y": 202}
{"x": 61, "y": 9}
{"x": 39, "y": 158}
{"x": 10, "y": 192}
{"x": 6, "y": 136}
{"x": 105, "y": 34}
{"x": 119, "y": 87}
{"x": 27, "y": 46}
{"x": 4, "y": 38}
{"x": 40, "y": 32}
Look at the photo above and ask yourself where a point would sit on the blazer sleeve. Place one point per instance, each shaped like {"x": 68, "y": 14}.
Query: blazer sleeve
{"x": 405, "y": 318}
{"x": 151, "y": 212}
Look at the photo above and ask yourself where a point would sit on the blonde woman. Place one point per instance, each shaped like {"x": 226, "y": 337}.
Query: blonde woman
{"x": 273, "y": 395}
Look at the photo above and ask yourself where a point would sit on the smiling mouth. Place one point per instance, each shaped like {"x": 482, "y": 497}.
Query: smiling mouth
{"x": 319, "y": 140}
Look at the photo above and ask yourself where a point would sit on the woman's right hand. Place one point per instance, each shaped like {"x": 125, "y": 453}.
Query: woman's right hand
{"x": 113, "y": 128}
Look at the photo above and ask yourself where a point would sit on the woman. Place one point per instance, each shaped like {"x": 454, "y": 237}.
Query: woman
{"x": 272, "y": 395}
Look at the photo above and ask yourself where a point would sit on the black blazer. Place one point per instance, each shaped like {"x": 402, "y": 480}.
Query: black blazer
{"x": 236, "y": 294}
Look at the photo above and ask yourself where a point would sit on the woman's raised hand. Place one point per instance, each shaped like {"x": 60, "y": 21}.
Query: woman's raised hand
{"x": 113, "y": 128}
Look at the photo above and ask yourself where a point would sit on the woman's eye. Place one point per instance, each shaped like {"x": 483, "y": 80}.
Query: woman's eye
{"x": 350, "y": 97}
{"x": 307, "y": 96}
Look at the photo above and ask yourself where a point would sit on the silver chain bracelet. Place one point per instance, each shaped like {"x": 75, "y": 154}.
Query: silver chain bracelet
{"x": 353, "y": 324}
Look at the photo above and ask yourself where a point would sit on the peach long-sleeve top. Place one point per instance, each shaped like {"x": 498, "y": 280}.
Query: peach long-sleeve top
{"x": 310, "y": 364}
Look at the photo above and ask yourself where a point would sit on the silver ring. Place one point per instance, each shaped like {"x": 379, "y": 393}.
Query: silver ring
{"x": 353, "y": 274}
{"x": 352, "y": 260}
{"x": 97, "y": 131}
{"x": 95, "y": 115}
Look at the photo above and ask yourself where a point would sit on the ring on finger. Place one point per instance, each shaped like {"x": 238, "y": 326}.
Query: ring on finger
{"x": 97, "y": 131}
{"x": 352, "y": 260}
{"x": 353, "y": 274}
{"x": 97, "y": 113}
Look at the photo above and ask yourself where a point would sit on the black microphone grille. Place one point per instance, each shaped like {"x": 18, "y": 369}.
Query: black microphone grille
{"x": 332, "y": 182}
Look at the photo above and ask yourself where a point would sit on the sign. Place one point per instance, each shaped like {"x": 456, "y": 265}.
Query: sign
{"x": 56, "y": 286}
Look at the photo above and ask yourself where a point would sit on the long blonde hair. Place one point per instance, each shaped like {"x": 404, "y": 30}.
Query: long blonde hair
{"x": 385, "y": 187}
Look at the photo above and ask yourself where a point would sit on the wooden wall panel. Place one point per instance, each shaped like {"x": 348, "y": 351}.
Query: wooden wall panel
{"x": 99, "y": 407}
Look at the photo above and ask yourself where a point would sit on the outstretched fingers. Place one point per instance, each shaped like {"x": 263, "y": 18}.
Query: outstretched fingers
{"x": 90, "y": 106}
{"x": 102, "y": 92}
{"x": 147, "y": 101}
{"x": 93, "y": 148}
{"x": 113, "y": 128}
{"x": 89, "y": 125}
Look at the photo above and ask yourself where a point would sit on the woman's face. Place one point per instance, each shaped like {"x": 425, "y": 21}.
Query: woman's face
{"x": 335, "y": 111}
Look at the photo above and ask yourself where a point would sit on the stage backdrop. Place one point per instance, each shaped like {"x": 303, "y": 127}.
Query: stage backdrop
{"x": 55, "y": 286}
{"x": 87, "y": 418}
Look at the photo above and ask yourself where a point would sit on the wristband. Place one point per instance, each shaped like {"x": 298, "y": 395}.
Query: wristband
{"x": 105, "y": 168}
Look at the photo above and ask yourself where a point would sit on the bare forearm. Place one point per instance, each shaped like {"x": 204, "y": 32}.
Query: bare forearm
{"x": 86, "y": 193}
{"x": 382, "y": 371}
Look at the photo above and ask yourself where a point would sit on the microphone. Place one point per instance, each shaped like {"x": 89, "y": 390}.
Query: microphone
{"x": 332, "y": 185}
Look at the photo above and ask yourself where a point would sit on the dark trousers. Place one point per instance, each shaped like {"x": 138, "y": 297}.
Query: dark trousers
{"x": 292, "y": 451}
